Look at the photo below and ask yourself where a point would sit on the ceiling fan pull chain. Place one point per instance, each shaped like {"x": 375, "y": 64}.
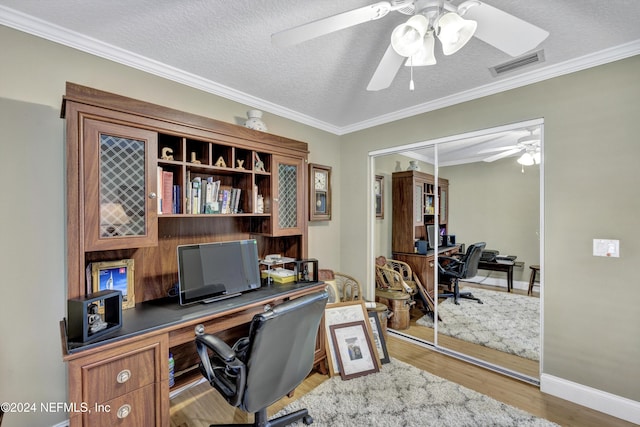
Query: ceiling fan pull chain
{"x": 411, "y": 85}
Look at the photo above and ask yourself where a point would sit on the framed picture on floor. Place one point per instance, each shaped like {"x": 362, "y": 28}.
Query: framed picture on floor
{"x": 378, "y": 337}
{"x": 341, "y": 313}
{"x": 356, "y": 354}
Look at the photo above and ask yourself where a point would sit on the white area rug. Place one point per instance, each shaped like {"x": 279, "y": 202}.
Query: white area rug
{"x": 402, "y": 395}
{"x": 506, "y": 322}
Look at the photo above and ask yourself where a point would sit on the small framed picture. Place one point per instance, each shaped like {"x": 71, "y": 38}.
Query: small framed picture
{"x": 378, "y": 194}
{"x": 115, "y": 275}
{"x": 378, "y": 337}
{"x": 356, "y": 355}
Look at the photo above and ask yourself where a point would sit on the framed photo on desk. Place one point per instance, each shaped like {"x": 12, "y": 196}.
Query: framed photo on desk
{"x": 114, "y": 275}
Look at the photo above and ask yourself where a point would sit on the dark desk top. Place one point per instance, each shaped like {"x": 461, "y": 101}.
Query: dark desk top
{"x": 441, "y": 249}
{"x": 157, "y": 314}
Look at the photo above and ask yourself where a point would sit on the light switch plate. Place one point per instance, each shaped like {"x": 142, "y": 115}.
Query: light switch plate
{"x": 606, "y": 247}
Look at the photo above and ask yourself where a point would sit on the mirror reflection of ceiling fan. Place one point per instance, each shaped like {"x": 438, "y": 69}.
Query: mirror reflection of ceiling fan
{"x": 413, "y": 42}
{"x": 529, "y": 145}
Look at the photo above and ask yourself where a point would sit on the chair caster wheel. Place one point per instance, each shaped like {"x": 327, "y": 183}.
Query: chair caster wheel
{"x": 307, "y": 420}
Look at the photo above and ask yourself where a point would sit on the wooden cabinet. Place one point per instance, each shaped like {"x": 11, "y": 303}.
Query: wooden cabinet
{"x": 415, "y": 198}
{"x": 119, "y": 183}
{"x": 125, "y": 385}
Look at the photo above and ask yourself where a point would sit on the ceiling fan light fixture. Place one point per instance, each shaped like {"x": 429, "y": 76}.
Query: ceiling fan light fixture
{"x": 407, "y": 38}
{"x": 536, "y": 157}
{"x": 526, "y": 159}
{"x": 454, "y": 32}
{"x": 426, "y": 55}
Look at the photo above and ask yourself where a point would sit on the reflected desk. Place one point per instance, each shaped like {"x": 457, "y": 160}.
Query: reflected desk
{"x": 505, "y": 265}
{"x": 424, "y": 265}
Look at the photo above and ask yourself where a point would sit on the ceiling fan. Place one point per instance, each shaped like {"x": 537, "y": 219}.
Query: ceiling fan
{"x": 530, "y": 144}
{"x": 415, "y": 39}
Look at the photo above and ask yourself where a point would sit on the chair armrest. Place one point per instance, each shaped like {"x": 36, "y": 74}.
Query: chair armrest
{"x": 230, "y": 378}
{"x": 216, "y": 345}
{"x": 449, "y": 262}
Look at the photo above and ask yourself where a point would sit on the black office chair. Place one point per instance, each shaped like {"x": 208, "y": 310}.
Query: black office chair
{"x": 453, "y": 269}
{"x": 268, "y": 364}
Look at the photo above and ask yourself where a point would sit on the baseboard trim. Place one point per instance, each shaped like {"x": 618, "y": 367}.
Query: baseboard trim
{"x": 602, "y": 401}
{"x": 499, "y": 282}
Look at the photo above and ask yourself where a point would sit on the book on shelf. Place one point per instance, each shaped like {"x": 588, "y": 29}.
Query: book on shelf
{"x": 159, "y": 188}
{"x": 187, "y": 194}
{"x": 167, "y": 192}
{"x": 196, "y": 186}
{"x": 176, "y": 199}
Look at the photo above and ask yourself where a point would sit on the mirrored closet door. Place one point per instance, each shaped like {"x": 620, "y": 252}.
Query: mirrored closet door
{"x": 482, "y": 187}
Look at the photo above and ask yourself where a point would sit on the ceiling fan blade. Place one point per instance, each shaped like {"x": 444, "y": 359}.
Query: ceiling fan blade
{"x": 493, "y": 150}
{"x": 331, "y": 24}
{"x": 501, "y": 155}
{"x": 387, "y": 70}
{"x": 503, "y": 31}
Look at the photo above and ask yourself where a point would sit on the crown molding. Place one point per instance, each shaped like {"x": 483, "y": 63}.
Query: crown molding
{"x": 40, "y": 28}
{"x": 581, "y": 63}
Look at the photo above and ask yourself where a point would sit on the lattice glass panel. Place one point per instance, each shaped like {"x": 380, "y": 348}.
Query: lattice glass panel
{"x": 122, "y": 186}
{"x": 287, "y": 196}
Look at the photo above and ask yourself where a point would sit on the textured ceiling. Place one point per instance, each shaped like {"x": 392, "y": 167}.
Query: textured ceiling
{"x": 224, "y": 47}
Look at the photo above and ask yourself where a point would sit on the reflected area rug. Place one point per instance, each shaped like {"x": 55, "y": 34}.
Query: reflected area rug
{"x": 506, "y": 322}
{"x": 403, "y": 395}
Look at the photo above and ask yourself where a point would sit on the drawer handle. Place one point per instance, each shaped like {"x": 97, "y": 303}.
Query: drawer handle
{"x": 124, "y": 411}
{"x": 123, "y": 376}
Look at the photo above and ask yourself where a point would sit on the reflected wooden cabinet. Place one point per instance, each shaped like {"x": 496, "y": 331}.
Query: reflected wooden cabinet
{"x": 414, "y": 200}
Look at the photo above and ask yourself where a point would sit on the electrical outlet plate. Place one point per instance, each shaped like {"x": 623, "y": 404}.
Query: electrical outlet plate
{"x": 606, "y": 247}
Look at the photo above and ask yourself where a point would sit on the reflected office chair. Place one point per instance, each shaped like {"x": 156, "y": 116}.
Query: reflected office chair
{"x": 268, "y": 364}
{"x": 451, "y": 270}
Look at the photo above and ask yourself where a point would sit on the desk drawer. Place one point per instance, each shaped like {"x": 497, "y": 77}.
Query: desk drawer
{"x": 135, "y": 409}
{"x": 107, "y": 379}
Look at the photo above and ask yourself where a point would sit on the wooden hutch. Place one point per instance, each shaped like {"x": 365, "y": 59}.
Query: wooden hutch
{"x": 115, "y": 147}
{"x": 414, "y": 200}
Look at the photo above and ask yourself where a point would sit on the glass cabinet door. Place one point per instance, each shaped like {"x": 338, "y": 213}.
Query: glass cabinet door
{"x": 288, "y": 206}
{"x": 119, "y": 186}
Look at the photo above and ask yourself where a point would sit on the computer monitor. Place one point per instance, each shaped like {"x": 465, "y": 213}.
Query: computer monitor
{"x": 431, "y": 236}
{"x": 212, "y": 271}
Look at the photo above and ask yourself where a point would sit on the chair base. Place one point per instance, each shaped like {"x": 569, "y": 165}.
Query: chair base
{"x": 456, "y": 294}
{"x": 261, "y": 419}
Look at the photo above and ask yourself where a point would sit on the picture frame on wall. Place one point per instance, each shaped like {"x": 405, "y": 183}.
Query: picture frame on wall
{"x": 354, "y": 349}
{"x": 115, "y": 275}
{"x": 378, "y": 194}
{"x": 319, "y": 192}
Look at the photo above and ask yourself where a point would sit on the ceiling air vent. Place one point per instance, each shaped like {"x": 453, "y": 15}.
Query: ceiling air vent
{"x": 516, "y": 64}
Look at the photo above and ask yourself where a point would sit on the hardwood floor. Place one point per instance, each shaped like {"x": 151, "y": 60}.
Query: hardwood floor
{"x": 201, "y": 405}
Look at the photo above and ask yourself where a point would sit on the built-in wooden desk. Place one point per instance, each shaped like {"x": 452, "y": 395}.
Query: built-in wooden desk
{"x": 123, "y": 378}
